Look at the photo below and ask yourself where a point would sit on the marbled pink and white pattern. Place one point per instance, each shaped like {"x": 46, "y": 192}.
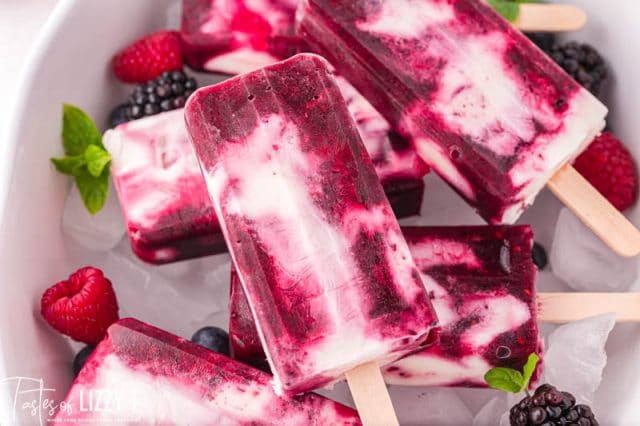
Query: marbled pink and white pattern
{"x": 236, "y": 36}
{"x": 242, "y": 23}
{"x": 141, "y": 374}
{"x": 328, "y": 274}
{"x": 163, "y": 194}
{"x": 486, "y": 109}
{"x": 481, "y": 281}
{"x": 164, "y": 199}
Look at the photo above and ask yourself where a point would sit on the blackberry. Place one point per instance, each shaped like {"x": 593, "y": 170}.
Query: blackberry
{"x": 549, "y": 407}
{"x": 544, "y": 41}
{"x": 583, "y": 63}
{"x": 167, "y": 92}
{"x": 539, "y": 256}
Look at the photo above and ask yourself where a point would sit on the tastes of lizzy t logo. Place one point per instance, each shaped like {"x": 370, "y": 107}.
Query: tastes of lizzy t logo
{"x": 29, "y": 398}
{"x": 32, "y": 402}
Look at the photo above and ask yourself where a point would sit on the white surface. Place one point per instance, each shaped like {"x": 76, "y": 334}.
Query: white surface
{"x": 70, "y": 64}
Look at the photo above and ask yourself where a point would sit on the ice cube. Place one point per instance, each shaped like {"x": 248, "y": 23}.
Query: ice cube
{"x": 585, "y": 262}
{"x": 575, "y": 356}
{"x": 429, "y": 406}
{"x": 99, "y": 232}
{"x": 179, "y": 300}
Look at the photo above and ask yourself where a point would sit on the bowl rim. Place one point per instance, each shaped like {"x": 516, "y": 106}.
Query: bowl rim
{"x": 25, "y": 82}
{"x": 9, "y": 150}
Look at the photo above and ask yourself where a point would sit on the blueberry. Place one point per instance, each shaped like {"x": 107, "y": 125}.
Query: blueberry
{"x": 80, "y": 359}
{"x": 539, "y": 256}
{"x": 213, "y": 338}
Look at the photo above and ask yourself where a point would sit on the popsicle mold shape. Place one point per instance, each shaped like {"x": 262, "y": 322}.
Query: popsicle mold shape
{"x": 485, "y": 108}
{"x": 481, "y": 281}
{"x": 141, "y": 374}
{"x": 317, "y": 248}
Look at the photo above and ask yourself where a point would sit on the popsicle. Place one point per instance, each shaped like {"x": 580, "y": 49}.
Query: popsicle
{"x": 328, "y": 276}
{"x": 481, "y": 281}
{"x": 485, "y": 108}
{"x": 236, "y": 36}
{"x": 164, "y": 198}
{"x": 141, "y": 374}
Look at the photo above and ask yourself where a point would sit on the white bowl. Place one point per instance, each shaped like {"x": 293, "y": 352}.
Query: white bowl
{"x": 70, "y": 63}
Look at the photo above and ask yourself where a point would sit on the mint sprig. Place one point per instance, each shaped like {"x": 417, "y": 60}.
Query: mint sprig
{"x": 85, "y": 158}
{"x": 510, "y": 380}
{"x": 509, "y": 9}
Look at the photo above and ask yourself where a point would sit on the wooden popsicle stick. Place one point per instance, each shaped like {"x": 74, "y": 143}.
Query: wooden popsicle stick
{"x": 544, "y": 17}
{"x": 566, "y": 307}
{"x": 595, "y": 211}
{"x": 371, "y": 395}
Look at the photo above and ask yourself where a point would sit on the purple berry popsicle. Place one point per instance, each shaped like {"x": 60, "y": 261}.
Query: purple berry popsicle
{"x": 235, "y": 36}
{"x": 486, "y": 109}
{"x": 481, "y": 281}
{"x": 140, "y": 373}
{"x": 165, "y": 200}
{"x": 328, "y": 275}
{"x": 163, "y": 196}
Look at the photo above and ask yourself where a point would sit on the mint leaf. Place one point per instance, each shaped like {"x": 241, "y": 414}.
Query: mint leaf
{"x": 529, "y": 368}
{"x": 93, "y": 189}
{"x": 506, "y": 379}
{"x": 509, "y": 10}
{"x": 78, "y": 131}
{"x": 97, "y": 158}
{"x": 69, "y": 165}
{"x": 86, "y": 158}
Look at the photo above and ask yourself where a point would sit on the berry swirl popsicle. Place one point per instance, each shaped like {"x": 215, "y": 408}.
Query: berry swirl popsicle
{"x": 481, "y": 281}
{"x": 328, "y": 275}
{"x": 140, "y": 374}
{"x": 494, "y": 116}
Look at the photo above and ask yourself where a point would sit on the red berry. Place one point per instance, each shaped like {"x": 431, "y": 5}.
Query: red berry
{"x": 149, "y": 57}
{"x": 609, "y": 167}
{"x": 82, "y": 307}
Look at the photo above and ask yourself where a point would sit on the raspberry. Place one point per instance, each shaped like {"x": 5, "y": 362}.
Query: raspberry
{"x": 548, "y": 406}
{"x": 149, "y": 57}
{"x": 82, "y": 307}
{"x": 609, "y": 167}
